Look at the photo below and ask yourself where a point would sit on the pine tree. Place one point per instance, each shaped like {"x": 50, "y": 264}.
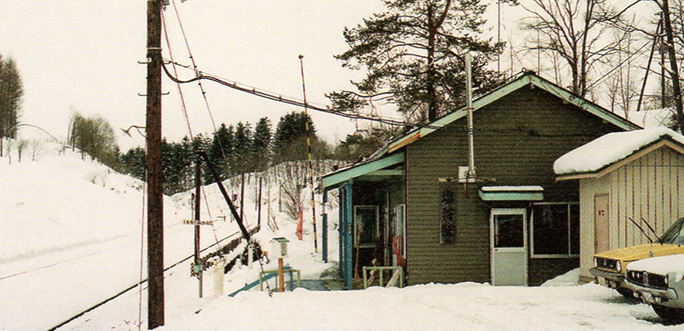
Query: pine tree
{"x": 361, "y": 144}
{"x": 134, "y": 162}
{"x": 262, "y": 143}
{"x": 414, "y": 55}
{"x": 11, "y": 94}
{"x": 221, "y": 150}
{"x": 290, "y": 137}
{"x": 243, "y": 147}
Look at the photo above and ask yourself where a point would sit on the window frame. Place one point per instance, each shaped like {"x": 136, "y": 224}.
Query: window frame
{"x": 569, "y": 230}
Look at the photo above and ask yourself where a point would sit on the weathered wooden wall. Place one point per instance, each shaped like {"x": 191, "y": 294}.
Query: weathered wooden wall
{"x": 651, "y": 187}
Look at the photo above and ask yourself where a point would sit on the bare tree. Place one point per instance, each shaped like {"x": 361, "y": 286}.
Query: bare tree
{"x": 572, "y": 30}
{"x": 672, "y": 54}
{"x": 671, "y": 24}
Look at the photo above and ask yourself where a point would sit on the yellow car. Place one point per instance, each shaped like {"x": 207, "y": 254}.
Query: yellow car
{"x": 609, "y": 267}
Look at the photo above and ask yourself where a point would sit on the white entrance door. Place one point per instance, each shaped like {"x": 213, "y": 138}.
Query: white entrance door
{"x": 509, "y": 246}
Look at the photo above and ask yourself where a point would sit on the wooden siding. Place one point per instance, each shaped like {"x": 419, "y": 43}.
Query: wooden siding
{"x": 517, "y": 139}
{"x": 651, "y": 187}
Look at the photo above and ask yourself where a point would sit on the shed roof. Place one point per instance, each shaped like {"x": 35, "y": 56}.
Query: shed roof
{"x": 367, "y": 168}
{"x": 601, "y": 155}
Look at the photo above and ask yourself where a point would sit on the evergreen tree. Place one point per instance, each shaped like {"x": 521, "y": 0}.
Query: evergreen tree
{"x": 243, "y": 147}
{"x": 221, "y": 150}
{"x": 414, "y": 56}
{"x": 134, "y": 162}
{"x": 11, "y": 94}
{"x": 262, "y": 143}
{"x": 361, "y": 144}
{"x": 290, "y": 137}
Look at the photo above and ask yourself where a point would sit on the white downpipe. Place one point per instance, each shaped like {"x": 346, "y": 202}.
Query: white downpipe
{"x": 469, "y": 100}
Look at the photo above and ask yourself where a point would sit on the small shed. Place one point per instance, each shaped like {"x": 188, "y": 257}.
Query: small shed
{"x": 624, "y": 176}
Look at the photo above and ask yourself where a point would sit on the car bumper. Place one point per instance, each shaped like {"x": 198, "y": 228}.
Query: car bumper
{"x": 608, "y": 278}
{"x": 650, "y": 295}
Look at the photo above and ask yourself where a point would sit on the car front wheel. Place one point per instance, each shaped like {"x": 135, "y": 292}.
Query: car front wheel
{"x": 675, "y": 315}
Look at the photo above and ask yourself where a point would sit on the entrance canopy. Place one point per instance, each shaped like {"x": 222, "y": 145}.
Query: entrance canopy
{"x": 512, "y": 193}
{"x": 372, "y": 170}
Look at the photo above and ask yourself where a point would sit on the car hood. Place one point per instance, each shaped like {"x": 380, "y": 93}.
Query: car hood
{"x": 661, "y": 265}
{"x": 639, "y": 252}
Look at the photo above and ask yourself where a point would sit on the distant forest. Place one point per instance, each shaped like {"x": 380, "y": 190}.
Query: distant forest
{"x": 232, "y": 149}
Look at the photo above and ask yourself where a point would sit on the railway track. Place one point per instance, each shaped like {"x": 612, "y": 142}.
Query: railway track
{"x": 236, "y": 237}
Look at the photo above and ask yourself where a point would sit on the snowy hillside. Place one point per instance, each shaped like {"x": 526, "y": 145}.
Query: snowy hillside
{"x": 70, "y": 236}
{"x": 61, "y": 201}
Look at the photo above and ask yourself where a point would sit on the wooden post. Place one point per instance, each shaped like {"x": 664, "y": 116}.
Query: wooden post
{"x": 259, "y": 209}
{"x": 242, "y": 198}
{"x": 324, "y": 228}
{"x": 155, "y": 201}
{"x": 198, "y": 184}
{"x": 281, "y": 275}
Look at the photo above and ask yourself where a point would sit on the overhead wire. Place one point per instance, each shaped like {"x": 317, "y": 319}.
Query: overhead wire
{"x": 206, "y": 102}
{"x": 271, "y": 95}
{"x": 617, "y": 66}
{"x": 184, "y": 106}
{"x": 194, "y": 64}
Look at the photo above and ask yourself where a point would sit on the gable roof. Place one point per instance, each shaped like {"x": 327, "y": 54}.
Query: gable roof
{"x": 611, "y": 151}
{"x": 380, "y": 158}
{"x": 529, "y": 78}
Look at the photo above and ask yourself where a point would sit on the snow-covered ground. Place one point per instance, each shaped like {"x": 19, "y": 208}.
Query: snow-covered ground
{"x": 70, "y": 236}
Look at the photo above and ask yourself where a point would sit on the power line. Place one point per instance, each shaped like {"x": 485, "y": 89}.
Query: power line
{"x": 637, "y": 52}
{"x": 199, "y": 75}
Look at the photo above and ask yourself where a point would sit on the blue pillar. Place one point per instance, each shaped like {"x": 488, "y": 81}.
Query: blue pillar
{"x": 340, "y": 230}
{"x": 325, "y": 228}
{"x": 348, "y": 238}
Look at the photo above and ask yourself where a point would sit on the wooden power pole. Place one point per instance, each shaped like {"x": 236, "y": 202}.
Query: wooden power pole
{"x": 155, "y": 202}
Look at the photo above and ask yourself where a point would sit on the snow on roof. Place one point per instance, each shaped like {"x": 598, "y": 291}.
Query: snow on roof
{"x": 609, "y": 149}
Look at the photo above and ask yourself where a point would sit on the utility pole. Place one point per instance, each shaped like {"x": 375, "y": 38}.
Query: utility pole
{"x": 155, "y": 202}
{"x": 308, "y": 148}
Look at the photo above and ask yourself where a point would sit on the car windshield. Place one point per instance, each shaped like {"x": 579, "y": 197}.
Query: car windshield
{"x": 674, "y": 234}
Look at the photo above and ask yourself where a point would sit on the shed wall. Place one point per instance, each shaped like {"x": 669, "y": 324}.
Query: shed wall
{"x": 651, "y": 187}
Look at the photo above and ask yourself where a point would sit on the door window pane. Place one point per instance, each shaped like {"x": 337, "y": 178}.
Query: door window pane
{"x": 509, "y": 231}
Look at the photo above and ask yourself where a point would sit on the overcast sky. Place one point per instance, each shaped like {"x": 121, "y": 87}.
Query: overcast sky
{"x": 81, "y": 55}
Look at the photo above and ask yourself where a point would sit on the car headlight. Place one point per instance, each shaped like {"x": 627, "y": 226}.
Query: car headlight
{"x": 667, "y": 280}
{"x": 595, "y": 261}
{"x": 618, "y": 266}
